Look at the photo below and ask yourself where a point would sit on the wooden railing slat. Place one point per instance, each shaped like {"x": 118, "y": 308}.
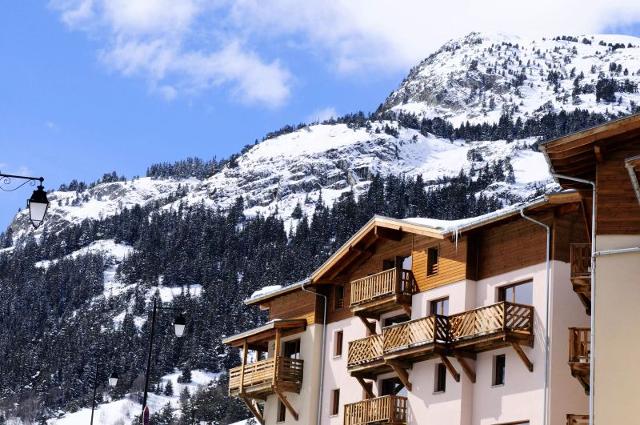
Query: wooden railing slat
{"x": 390, "y": 409}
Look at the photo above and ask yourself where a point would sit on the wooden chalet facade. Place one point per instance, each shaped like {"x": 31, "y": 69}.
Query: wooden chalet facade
{"x": 430, "y": 321}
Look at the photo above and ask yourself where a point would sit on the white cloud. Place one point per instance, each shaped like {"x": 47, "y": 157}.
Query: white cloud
{"x": 323, "y": 114}
{"x": 168, "y": 43}
{"x": 186, "y": 46}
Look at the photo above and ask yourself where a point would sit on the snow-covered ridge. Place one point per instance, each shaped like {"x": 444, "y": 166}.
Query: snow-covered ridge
{"x": 476, "y": 78}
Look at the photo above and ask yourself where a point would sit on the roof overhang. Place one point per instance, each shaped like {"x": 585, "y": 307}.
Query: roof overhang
{"x": 577, "y": 154}
{"x": 258, "y": 338}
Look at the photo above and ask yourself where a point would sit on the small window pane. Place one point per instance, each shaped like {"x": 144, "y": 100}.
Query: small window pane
{"x": 338, "y": 297}
{"x": 292, "y": 349}
{"x": 440, "y": 306}
{"x": 440, "y": 378}
{"x": 335, "y": 402}
{"x": 432, "y": 261}
{"x": 338, "y": 345}
{"x": 282, "y": 412}
{"x": 499, "y": 366}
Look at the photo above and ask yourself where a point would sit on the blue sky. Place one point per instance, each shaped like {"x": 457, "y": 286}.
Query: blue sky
{"x": 91, "y": 86}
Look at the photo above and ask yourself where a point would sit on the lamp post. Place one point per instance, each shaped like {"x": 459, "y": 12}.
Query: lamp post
{"x": 38, "y": 204}
{"x": 113, "y": 381}
{"x": 179, "y": 324}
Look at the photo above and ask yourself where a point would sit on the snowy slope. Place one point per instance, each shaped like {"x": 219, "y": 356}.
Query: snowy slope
{"x": 459, "y": 80}
{"x": 123, "y": 411}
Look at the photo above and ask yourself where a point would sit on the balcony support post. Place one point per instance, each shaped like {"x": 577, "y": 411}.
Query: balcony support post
{"x": 244, "y": 362}
{"x": 398, "y": 275}
{"x": 366, "y": 386}
{"x": 522, "y": 356}
{"x": 286, "y": 403}
{"x": 253, "y": 409}
{"x": 276, "y": 356}
{"x": 466, "y": 367}
{"x": 370, "y": 325}
{"x": 452, "y": 370}
{"x": 402, "y": 373}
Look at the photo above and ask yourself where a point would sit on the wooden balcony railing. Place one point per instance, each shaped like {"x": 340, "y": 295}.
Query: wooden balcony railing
{"x": 427, "y": 330}
{"x": 380, "y": 410}
{"x": 386, "y": 283}
{"x": 496, "y": 318}
{"x": 580, "y": 260}
{"x": 577, "y": 419}
{"x": 579, "y": 345}
{"x": 262, "y": 375}
{"x": 365, "y": 350}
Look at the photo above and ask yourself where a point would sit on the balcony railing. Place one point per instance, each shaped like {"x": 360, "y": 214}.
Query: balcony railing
{"x": 380, "y": 410}
{"x": 379, "y": 285}
{"x": 577, "y": 419}
{"x": 264, "y": 374}
{"x": 579, "y": 345}
{"x": 496, "y": 318}
{"x": 580, "y": 260}
{"x": 365, "y": 350}
{"x": 427, "y": 330}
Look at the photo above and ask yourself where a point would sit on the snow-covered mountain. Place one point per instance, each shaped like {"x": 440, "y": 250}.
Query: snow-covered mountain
{"x": 475, "y": 79}
{"x": 478, "y": 77}
{"x": 510, "y": 90}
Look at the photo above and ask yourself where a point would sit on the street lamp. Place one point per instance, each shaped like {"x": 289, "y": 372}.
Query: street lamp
{"x": 113, "y": 379}
{"x": 38, "y": 204}
{"x": 179, "y": 324}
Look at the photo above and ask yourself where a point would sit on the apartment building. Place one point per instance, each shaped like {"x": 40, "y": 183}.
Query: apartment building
{"x": 482, "y": 321}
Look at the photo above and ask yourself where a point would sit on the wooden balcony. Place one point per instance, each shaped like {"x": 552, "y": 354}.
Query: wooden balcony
{"x": 416, "y": 340}
{"x": 365, "y": 357}
{"x": 577, "y": 419}
{"x": 380, "y": 410}
{"x": 382, "y": 292}
{"x": 263, "y": 378}
{"x": 581, "y": 272}
{"x": 491, "y": 327}
{"x": 579, "y": 358}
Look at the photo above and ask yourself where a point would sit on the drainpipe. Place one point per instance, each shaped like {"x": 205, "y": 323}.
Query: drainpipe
{"x": 548, "y": 309}
{"x": 592, "y": 344}
{"x": 322, "y": 355}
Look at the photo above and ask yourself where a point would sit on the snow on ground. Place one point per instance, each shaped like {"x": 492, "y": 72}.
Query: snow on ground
{"x": 123, "y": 411}
{"x": 168, "y": 293}
{"x": 113, "y": 251}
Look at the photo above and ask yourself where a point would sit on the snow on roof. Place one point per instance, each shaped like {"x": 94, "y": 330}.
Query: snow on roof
{"x": 449, "y": 226}
{"x": 265, "y": 291}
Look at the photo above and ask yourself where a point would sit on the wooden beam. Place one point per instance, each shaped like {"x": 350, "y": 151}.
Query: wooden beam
{"x": 403, "y": 375}
{"x": 390, "y": 234}
{"x": 254, "y": 410}
{"x": 276, "y": 355}
{"x": 452, "y": 370}
{"x": 366, "y": 386}
{"x": 522, "y": 356}
{"x": 244, "y": 362}
{"x": 407, "y": 309}
{"x": 370, "y": 325}
{"x": 286, "y": 403}
{"x": 597, "y": 151}
{"x": 466, "y": 367}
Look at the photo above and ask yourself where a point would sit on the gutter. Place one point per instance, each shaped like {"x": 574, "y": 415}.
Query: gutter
{"x": 322, "y": 355}
{"x": 547, "y": 314}
{"x": 592, "y": 307}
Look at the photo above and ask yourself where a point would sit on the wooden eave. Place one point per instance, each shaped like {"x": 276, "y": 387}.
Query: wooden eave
{"x": 258, "y": 338}
{"x": 364, "y": 239}
{"x": 577, "y": 154}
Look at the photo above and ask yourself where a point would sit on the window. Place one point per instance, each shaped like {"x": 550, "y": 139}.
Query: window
{"x": 440, "y": 306}
{"x": 388, "y": 264}
{"x": 391, "y": 386}
{"x": 292, "y": 349}
{"x": 432, "y": 261}
{"x": 401, "y": 318}
{"x": 338, "y": 297}
{"x": 440, "y": 378}
{"x": 337, "y": 351}
{"x": 520, "y": 293}
{"x": 499, "y": 363}
{"x": 282, "y": 412}
{"x": 335, "y": 402}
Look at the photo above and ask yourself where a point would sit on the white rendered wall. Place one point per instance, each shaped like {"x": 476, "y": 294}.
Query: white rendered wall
{"x": 304, "y": 403}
